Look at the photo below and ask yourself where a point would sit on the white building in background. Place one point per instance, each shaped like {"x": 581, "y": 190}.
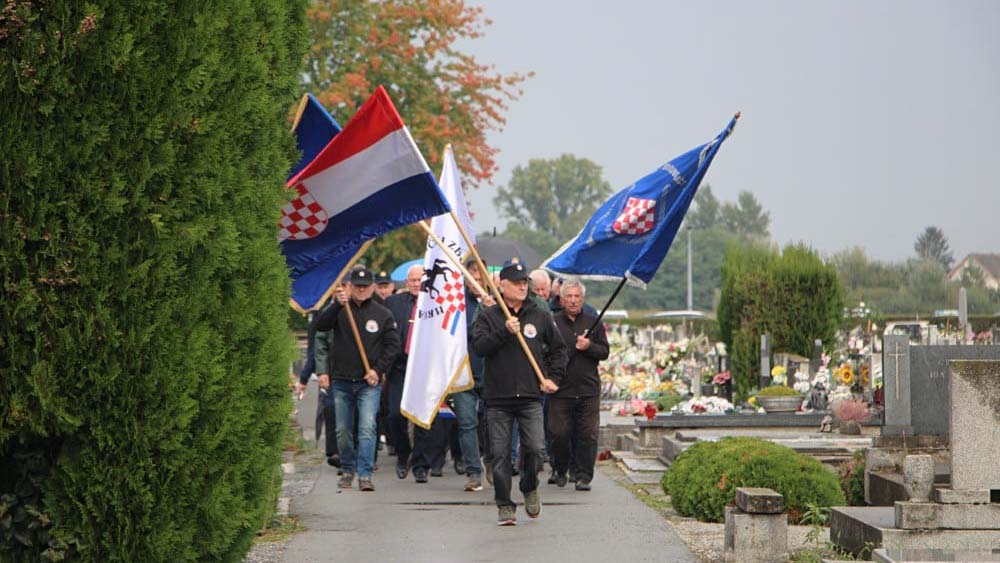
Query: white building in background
{"x": 988, "y": 264}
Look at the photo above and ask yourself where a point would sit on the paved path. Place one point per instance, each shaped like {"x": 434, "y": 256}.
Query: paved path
{"x": 439, "y": 522}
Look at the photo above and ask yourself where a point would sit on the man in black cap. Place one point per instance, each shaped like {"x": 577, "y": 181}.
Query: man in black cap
{"x": 383, "y": 287}
{"x": 574, "y": 411}
{"x": 511, "y": 389}
{"x": 342, "y": 368}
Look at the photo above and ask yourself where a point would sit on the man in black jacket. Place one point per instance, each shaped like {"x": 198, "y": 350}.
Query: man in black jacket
{"x": 574, "y": 411}
{"x": 511, "y": 389}
{"x": 353, "y": 387}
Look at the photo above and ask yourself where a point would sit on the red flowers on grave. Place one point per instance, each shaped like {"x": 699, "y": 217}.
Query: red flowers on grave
{"x": 722, "y": 378}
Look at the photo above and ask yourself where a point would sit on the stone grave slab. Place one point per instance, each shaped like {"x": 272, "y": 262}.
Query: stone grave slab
{"x": 975, "y": 418}
{"x": 896, "y": 379}
{"x": 896, "y": 555}
{"x": 929, "y": 383}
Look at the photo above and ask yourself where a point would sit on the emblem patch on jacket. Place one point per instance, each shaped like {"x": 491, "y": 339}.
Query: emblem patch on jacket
{"x": 372, "y": 326}
{"x": 530, "y": 331}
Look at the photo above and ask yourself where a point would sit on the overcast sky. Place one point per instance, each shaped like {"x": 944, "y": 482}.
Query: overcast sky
{"x": 863, "y": 121}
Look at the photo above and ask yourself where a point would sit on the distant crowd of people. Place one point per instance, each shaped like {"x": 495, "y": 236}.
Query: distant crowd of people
{"x": 509, "y": 424}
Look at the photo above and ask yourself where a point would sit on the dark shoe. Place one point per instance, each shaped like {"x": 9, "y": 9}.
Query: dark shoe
{"x": 365, "y": 484}
{"x": 560, "y": 480}
{"x": 459, "y": 467}
{"x": 582, "y": 486}
{"x": 346, "y": 482}
{"x": 437, "y": 472}
{"x": 392, "y": 450}
{"x": 402, "y": 471}
{"x": 473, "y": 484}
{"x": 514, "y": 471}
{"x": 420, "y": 476}
{"x": 552, "y": 478}
{"x": 506, "y": 516}
{"x": 379, "y": 446}
{"x": 532, "y": 504}
{"x": 333, "y": 460}
{"x": 572, "y": 478}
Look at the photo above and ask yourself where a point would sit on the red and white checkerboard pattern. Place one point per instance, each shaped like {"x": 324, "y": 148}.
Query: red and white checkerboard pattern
{"x": 302, "y": 218}
{"x": 452, "y": 296}
{"x": 637, "y": 218}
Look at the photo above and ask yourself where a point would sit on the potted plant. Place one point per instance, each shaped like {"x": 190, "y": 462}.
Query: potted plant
{"x": 778, "y": 398}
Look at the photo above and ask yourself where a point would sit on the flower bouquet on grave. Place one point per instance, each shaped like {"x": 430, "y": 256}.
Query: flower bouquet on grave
{"x": 705, "y": 405}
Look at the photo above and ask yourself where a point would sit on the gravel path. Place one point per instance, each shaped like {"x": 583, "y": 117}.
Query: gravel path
{"x": 705, "y": 540}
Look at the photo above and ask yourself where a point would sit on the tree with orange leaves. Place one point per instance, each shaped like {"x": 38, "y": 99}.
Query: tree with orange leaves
{"x": 444, "y": 95}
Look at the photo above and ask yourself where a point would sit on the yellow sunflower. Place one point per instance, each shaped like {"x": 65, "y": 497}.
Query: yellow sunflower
{"x": 846, "y": 374}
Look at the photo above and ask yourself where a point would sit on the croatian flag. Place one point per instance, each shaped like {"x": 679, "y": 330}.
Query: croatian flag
{"x": 438, "y": 363}
{"x": 628, "y": 237}
{"x": 369, "y": 180}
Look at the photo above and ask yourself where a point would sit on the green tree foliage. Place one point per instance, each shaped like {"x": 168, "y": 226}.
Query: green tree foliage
{"x": 932, "y": 245}
{"x": 915, "y": 287}
{"x": 703, "y": 479}
{"x": 706, "y": 211}
{"x": 143, "y": 317}
{"x": 551, "y": 197}
{"x": 793, "y": 295}
{"x": 746, "y": 218}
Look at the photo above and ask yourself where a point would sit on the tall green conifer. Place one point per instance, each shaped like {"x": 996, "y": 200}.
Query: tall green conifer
{"x": 143, "y": 298}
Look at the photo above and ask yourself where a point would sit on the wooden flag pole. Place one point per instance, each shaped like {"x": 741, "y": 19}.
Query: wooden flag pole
{"x": 357, "y": 336}
{"x": 350, "y": 313}
{"x": 469, "y": 279}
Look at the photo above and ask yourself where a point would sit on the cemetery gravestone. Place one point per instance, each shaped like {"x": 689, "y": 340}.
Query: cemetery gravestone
{"x": 930, "y": 383}
{"x": 765, "y": 360}
{"x": 975, "y": 415}
{"x": 896, "y": 381}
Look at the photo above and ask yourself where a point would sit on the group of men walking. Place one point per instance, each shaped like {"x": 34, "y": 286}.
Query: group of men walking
{"x": 554, "y": 417}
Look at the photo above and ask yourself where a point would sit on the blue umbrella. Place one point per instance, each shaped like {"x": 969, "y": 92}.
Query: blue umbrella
{"x": 399, "y": 274}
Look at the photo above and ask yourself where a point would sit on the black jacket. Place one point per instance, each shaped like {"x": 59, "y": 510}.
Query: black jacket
{"x": 379, "y": 336}
{"x": 401, "y": 305}
{"x": 507, "y": 373}
{"x": 581, "y": 378}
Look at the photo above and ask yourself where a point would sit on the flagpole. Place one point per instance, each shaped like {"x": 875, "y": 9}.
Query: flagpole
{"x": 298, "y": 112}
{"x": 472, "y": 281}
{"x": 357, "y": 336}
{"x": 606, "y": 305}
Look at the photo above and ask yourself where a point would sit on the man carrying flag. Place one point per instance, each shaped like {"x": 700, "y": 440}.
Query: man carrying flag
{"x": 341, "y": 364}
{"x": 512, "y": 391}
{"x": 628, "y": 237}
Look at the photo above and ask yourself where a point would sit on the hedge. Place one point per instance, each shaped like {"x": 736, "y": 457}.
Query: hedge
{"x": 703, "y": 479}
{"x": 793, "y": 295}
{"x": 143, "y": 318}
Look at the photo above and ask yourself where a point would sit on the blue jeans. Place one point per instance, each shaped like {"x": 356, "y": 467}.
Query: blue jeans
{"x": 348, "y": 395}
{"x": 466, "y": 411}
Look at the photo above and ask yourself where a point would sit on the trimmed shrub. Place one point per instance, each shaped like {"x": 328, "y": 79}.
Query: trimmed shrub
{"x": 143, "y": 316}
{"x": 703, "y": 479}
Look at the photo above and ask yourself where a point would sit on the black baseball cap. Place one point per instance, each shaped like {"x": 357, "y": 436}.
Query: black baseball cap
{"x": 382, "y": 277}
{"x": 513, "y": 271}
{"x": 362, "y": 276}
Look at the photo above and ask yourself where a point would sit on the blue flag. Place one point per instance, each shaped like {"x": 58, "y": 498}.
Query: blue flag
{"x": 314, "y": 127}
{"x": 629, "y": 235}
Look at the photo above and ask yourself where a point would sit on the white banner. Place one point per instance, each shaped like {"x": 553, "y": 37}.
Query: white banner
{"x": 438, "y": 361}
